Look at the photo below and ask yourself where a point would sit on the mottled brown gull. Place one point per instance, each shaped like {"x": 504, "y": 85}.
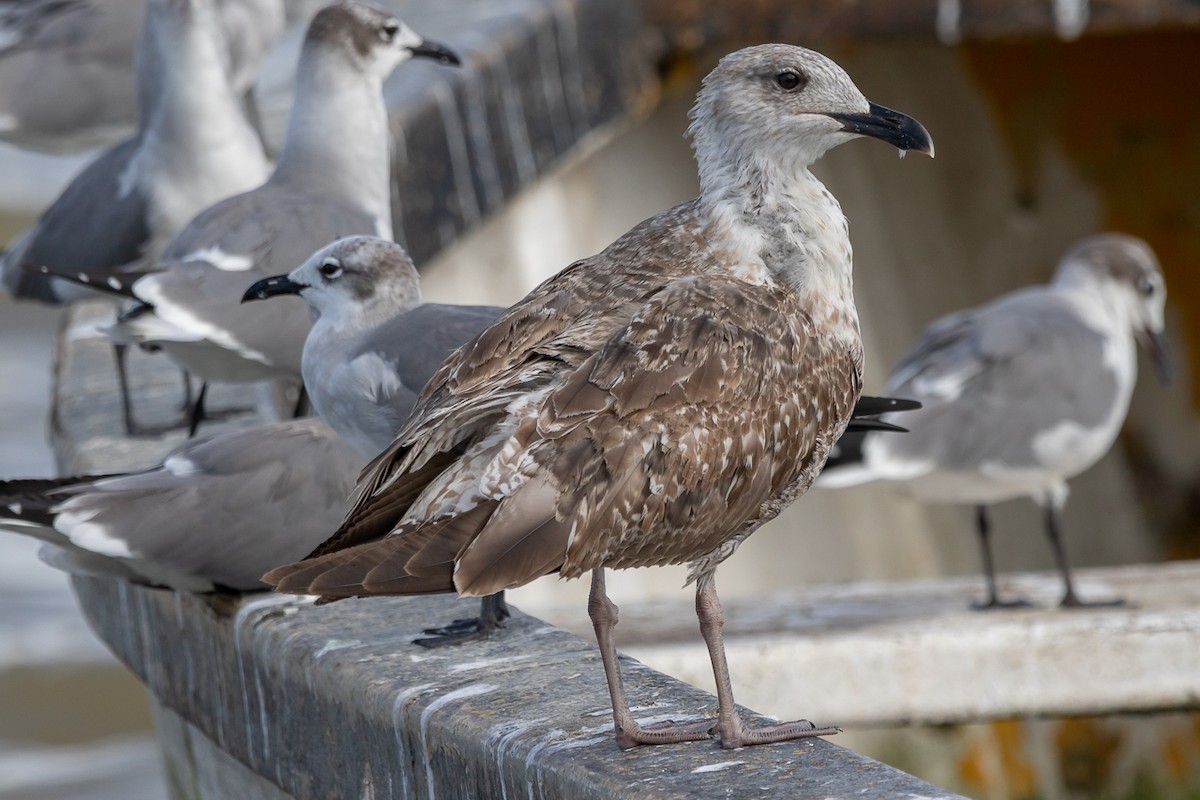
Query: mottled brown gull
{"x": 373, "y": 346}
{"x": 1023, "y": 393}
{"x": 654, "y": 404}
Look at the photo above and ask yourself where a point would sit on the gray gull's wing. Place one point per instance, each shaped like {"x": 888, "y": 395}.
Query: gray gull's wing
{"x": 217, "y": 513}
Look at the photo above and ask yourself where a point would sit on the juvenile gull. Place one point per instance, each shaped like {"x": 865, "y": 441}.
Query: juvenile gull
{"x": 1023, "y": 393}
{"x": 67, "y": 77}
{"x": 215, "y": 514}
{"x": 374, "y": 344}
{"x": 373, "y": 347}
{"x": 654, "y": 404}
{"x": 332, "y": 180}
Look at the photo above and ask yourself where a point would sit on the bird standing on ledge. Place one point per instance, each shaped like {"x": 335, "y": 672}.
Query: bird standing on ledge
{"x": 654, "y": 404}
{"x": 1022, "y": 394}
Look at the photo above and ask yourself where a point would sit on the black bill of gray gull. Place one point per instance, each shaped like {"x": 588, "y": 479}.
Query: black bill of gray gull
{"x": 67, "y": 67}
{"x": 1021, "y": 394}
{"x": 374, "y": 346}
{"x": 332, "y": 180}
{"x": 654, "y": 404}
{"x": 214, "y": 515}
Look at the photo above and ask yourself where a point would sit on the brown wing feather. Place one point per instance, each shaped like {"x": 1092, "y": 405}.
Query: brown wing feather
{"x": 521, "y": 542}
{"x": 365, "y": 524}
{"x": 437, "y": 546}
{"x": 346, "y": 574}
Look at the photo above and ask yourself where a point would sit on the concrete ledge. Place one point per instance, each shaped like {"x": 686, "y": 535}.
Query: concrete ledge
{"x": 913, "y": 653}
{"x": 335, "y": 702}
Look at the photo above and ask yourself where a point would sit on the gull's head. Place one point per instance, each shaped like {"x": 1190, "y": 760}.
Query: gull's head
{"x": 359, "y": 277}
{"x": 373, "y": 40}
{"x": 787, "y": 105}
{"x": 1127, "y": 269}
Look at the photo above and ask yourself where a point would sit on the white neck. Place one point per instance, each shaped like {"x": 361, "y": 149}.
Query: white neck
{"x": 1100, "y": 302}
{"x": 346, "y": 322}
{"x": 338, "y": 140}
{"x": 795, "y": 230}
{"x": 197, "y": 146}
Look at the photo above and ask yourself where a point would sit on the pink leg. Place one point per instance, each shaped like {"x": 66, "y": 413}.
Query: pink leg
{"x": 730, "y": 727}
{"x": 629, "y": 733}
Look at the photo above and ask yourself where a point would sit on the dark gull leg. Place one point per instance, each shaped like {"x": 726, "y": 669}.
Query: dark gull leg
{"x": 493, "y": 611}
{"x": 132, "y": 428}
{"x": 186, "y": 377}
{"x": 120, "y": 353}
{"x": 303, "y": 406}
{"x": 1070, "y": 599}
{"x": 993, "y": 602}
{"x": 604, "y": 615}
{"x": 197, "y": 414}
{"x": 732, "y": 729}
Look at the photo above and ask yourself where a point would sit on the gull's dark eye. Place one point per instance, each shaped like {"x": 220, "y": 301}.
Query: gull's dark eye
{"x": 789, "y": 80}
{"x": 389, "y": 30}
{"x": 330, "y": 268}
{"x": 1146, "y": 287}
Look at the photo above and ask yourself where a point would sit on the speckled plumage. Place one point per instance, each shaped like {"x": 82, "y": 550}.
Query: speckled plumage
{"x": 670, "y": 407}
{"x": 653, "y": 404}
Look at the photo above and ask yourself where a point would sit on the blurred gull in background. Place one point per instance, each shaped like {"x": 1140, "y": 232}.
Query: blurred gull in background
{"x": 215, "y": 514}
{"x": 1021, "y": 394}
{"x": 67, "y": 66}
{"x": 194, "y": 147}
{"x": 332, "y": 180}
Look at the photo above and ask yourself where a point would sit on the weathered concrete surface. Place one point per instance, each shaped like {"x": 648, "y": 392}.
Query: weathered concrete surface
{"x": 913, "y": 652}
{"x": 334, "y": 701}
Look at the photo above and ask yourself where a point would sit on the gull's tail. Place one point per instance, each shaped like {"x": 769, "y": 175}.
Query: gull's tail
{"x": 27, "y": 506}
{"x": 115, "y": 283}
{"x": 846, "y": 465}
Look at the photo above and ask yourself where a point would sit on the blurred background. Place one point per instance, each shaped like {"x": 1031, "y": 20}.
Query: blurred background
{"x": 1050, "y": 124}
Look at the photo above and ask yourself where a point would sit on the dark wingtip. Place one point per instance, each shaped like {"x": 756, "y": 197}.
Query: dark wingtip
{"x": 869, "y": 406}
{"x": 864, "y": 425}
